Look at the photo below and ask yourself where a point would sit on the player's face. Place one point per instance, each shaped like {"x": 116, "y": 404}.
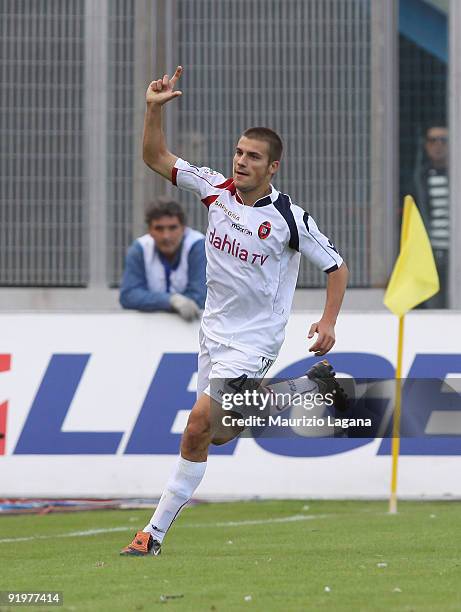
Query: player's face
{"x": 252, "y": 168}
{"x": 167, "y": 232}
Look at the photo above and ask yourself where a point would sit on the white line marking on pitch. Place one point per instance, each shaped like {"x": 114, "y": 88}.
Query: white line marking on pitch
{"x": 284, "y": 519}
{"x": 90, "y": 532}
{"x": 71, "y": 534}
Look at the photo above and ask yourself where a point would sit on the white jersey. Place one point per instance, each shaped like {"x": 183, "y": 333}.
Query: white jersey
{"x": 253, "y": 255}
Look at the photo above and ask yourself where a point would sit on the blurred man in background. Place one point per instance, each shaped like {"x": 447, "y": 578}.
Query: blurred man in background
{"x": 165, "y": 269}
{"x": 431, "y": 193}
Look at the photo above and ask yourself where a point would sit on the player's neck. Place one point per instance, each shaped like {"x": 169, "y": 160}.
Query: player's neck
{"x": 249, "y": 198}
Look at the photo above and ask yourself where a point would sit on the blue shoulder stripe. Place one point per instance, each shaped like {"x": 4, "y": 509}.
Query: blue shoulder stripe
{"x": 283, "y": 205}
{"x": 306, "y": 220}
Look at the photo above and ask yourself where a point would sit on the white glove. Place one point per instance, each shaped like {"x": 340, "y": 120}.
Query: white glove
{"x": 185, "y": 307}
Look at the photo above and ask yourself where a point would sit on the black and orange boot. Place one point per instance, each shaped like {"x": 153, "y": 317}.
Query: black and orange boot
{"x": 143, "y": 544}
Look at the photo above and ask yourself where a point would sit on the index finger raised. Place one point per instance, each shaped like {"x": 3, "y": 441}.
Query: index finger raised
{"x": 175, "y": 77}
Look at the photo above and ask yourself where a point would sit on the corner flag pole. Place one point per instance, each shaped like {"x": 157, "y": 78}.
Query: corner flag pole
{"x": 396, "y": 422}
{"x": 414, "y": 280}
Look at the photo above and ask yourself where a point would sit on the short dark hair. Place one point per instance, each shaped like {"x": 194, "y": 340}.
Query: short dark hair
{"x": 164, "y": 206}
{"x": 272, "y": 138}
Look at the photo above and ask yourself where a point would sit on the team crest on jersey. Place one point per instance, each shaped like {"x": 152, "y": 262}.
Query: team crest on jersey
{"x": 264, "y": 230}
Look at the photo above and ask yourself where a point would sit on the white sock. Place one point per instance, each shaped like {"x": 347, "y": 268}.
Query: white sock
{"x": 185, "y": 478}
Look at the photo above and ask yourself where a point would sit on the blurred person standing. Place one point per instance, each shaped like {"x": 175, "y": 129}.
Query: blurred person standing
{"x": 431, "y": 192}
{"x": 165, "y": 269}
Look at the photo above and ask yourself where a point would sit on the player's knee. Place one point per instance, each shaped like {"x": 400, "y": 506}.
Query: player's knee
{"x": 197, "y": 432}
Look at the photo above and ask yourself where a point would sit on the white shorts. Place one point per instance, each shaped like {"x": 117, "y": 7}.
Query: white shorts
{"x": 220, "y": 365}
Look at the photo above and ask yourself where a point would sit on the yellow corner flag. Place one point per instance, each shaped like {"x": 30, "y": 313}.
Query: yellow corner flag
{"x": 414, "y": 278}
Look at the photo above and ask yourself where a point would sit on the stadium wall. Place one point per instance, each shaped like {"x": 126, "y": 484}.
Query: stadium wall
{"x": 92, "y": 405}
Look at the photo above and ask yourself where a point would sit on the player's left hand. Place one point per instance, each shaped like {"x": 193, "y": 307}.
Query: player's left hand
{"x": 326, "y": 337}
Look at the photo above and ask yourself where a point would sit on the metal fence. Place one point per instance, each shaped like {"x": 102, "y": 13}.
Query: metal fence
{"x": 121, "y": 138}
{"x": 423, "y": 92}
{"x": 300, "y": 66}
{"x": 42, "y": 203}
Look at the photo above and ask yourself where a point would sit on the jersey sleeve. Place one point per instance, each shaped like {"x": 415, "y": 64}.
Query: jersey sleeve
{"x": 202, "y": 181}
{"x": 314, "y": 245}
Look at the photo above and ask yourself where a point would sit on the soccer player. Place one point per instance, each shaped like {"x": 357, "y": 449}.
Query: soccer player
{"x": 254, "y": 240}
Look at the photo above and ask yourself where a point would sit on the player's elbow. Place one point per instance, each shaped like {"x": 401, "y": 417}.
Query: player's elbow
{"x": 159, "y": 162}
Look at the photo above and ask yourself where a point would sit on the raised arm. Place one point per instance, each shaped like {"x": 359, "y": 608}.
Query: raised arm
{"x": 155, "y": 152}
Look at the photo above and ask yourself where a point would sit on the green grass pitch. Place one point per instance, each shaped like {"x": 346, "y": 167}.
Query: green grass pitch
{"x": 272, "y": 555}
